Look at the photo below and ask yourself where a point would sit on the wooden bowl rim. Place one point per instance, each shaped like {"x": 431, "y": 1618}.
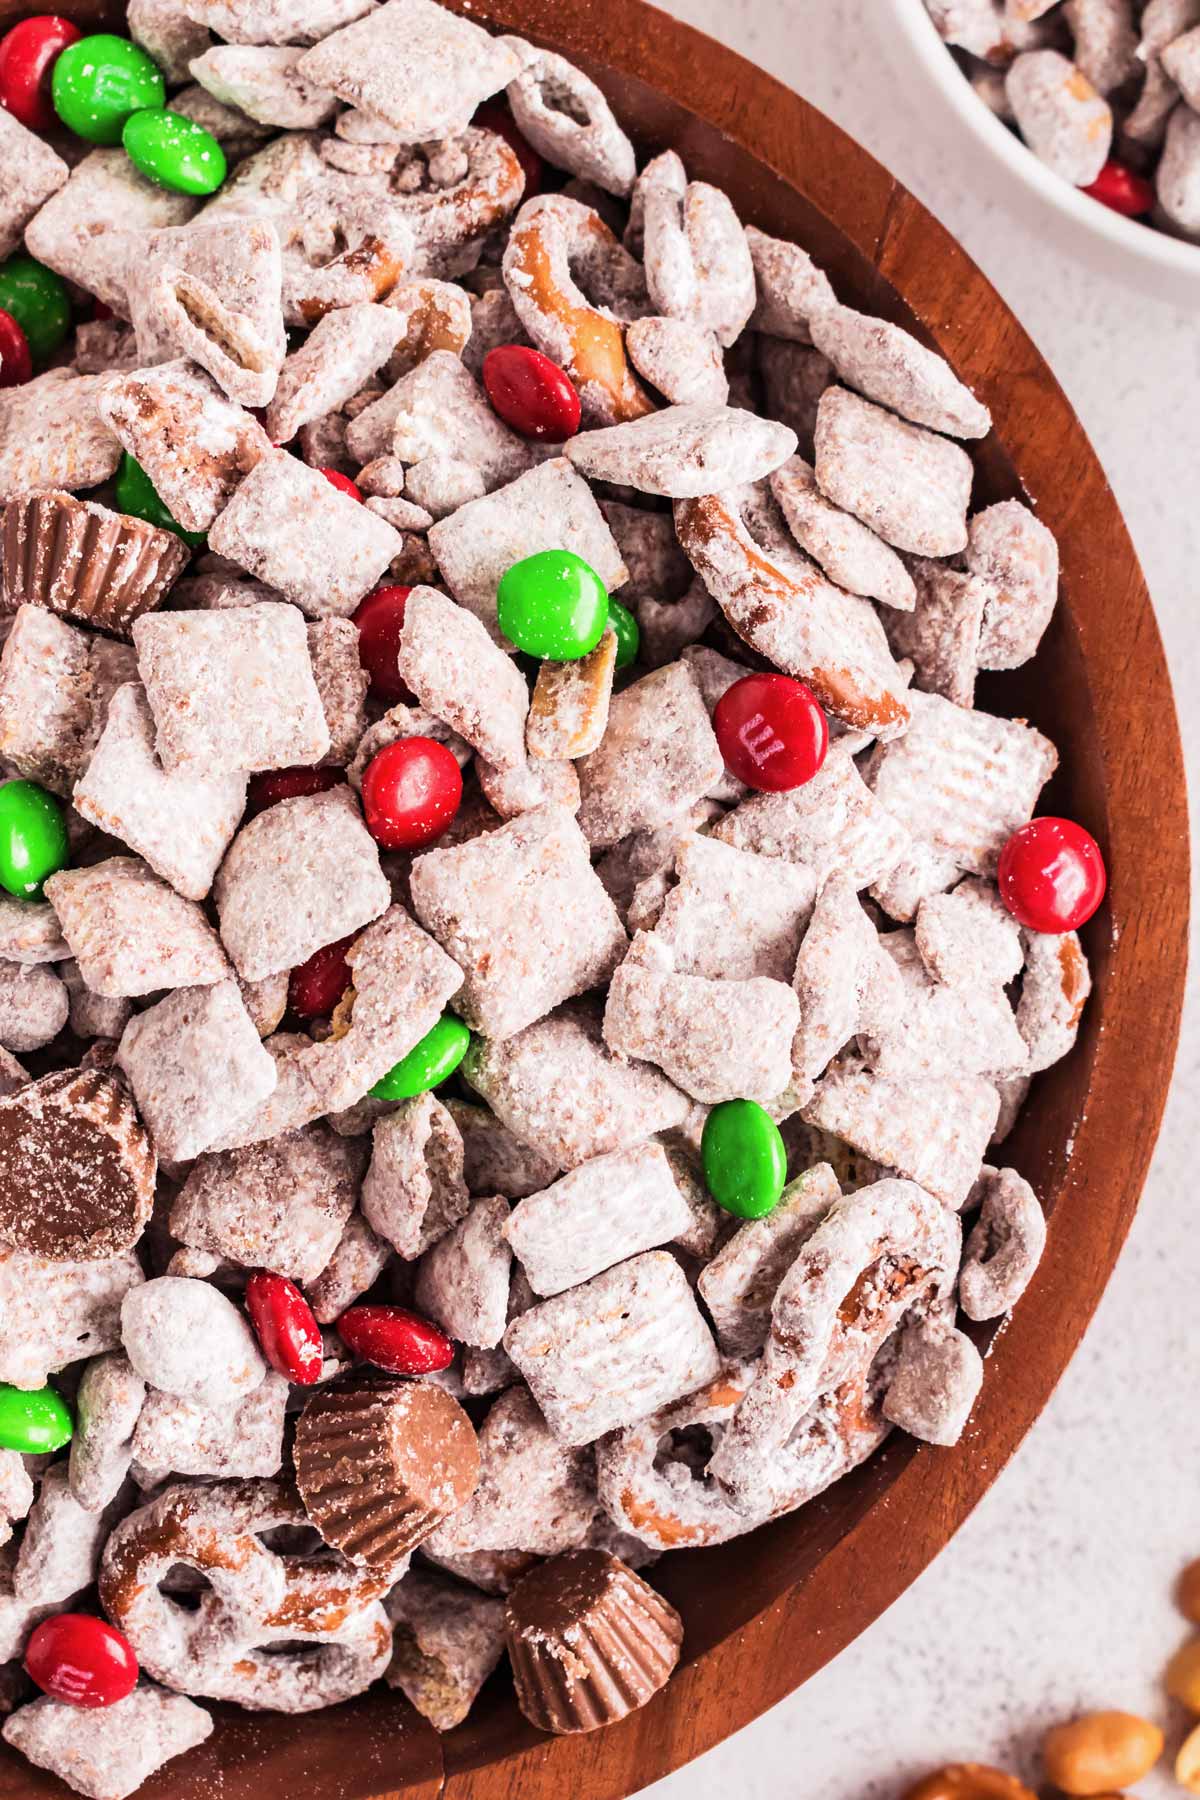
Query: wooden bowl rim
{"x": 809, "y": 1621}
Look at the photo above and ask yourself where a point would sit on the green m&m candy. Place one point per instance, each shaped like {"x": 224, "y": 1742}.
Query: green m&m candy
{"x": 173, "y": 151}
{"x": 138, "y": 496}
{"x": 99, "y": 81}
{"x": 436, "y": 1056}
{"x": 37, "y": 299}
{"x": 625, "y": 628}
{"x": 33, "y": 838}
{"x": 745, "y": 1164}
{"x": 552, "y": 605}
{"x": 33, "y": 1423}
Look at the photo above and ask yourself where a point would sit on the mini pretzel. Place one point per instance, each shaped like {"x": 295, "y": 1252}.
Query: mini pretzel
{"x": 446, "y": 215}
{"x": 379, "y": 247}
{"x": 878, "y": 1254}
{"x": 257, "y": 1600}
{"x": 552, "y": 238}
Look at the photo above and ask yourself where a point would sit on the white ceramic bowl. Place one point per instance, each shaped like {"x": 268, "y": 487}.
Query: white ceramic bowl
{"x": 1166, "y": 266}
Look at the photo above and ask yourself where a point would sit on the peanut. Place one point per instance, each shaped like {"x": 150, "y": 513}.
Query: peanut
{"x": 969, "y": 1781}
{"x": 1187, "y": 1593}
{"x": 1187, "y": 1762}
{"x": 1183, "y": 1675}
{"x": 1101, "y": 1751}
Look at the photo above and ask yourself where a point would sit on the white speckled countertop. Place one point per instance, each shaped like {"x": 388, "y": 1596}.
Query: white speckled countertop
{"x": 1056, "y": 1595}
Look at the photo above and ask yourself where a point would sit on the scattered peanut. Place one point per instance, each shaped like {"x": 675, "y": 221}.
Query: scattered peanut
{"x": 1187, "y": 1762}
{"x": 1188, "y": 1592}
{"x": 1183, "y": 1675}
{"x": 969, "y": 1781}
{"x": 1103, "y": 1750}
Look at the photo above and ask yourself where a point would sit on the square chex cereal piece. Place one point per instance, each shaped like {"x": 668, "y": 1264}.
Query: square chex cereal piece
{"x": 597, "y": 1215}
{"x": 93, "y": 230}
{"x": 844, "y": 979}
{"x": 108, "y": 1753}
{"x": 292, "y": 529}
{"x": 300, "y": 875}
{"x": 941, "y": 1030}
{"x": 130, "y": 933}
{"x": 658, "y": 757}
{"x": 909, "y": 485}
{"x": 341, "y": 683}
{"x": 524, "y": 915}
{"x": 558, "y": 1089}
{"x": 833, "y": 825}
{"x": 194, "y": 1063}
{"x": 962, "y": 780}
{"x": 1015, "y": 555}
{"x": 733, "y": 914}
{"x": 47, "y": 698}
{"x": 605, "y": 1354}
{"x": 51, "y": 435}
{"x": 451, "y": 664}
{"x": 175, "y": 1436}
{"x": 334, "y": 363}
{"x": 54, "y": 1313}
{"x": 181, "y": 822}
{"x": 414, "y": 1192}
{"x": 32, "y": 172}
{"x": 463, "y": 1280}
{"x": 968, "y": 937}
{"x": 447, "y": 1640}
{"x": 231, "y": 690}
{"x": 718, "y": 1040}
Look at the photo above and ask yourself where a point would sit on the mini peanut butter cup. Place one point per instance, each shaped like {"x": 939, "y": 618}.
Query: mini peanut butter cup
{"x": 380, "y": 1463}
{"x": 77, "y": 1169}
{"x": 85, "y": 562}
{"x": 589, "y": 1641}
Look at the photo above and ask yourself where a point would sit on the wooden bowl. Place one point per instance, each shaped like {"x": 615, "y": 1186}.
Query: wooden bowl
{"x": 763, "y": 1613}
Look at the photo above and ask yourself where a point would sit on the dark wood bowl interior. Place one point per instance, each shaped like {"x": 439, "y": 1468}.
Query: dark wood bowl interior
{"x": 765, "y": 1612}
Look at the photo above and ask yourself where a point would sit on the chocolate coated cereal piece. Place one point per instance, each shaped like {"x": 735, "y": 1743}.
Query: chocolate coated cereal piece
{"x": 968, "y": 937}
{"x": 844, "y": 980}
{"x": 568, "y": 713}
{"x": 107, "y": 1753}
{"x": 732, "y": 914}
{"x": 921, "y": 872}
{"x": 568, "y": 121}
{"x": 718, "y": 1040}
{"x": 1060, "y": 115}
{"x": 790, "y": 287}
{"x": 231, "y": 690}
{"x": 658, "y": 756}
{"x": 1181, "y": 61}
{"x": 92, "y": 231}
{"x": 1011, "y": 550}
{"x": 962, "y": 780}
{"x": 683, "y": 361}
{"x": 51, "y": 435}
{"x": 61, "y": 1545}
{"x": 739, "y": 1283}
{"x": 445, "y": 1644}
{"x": 494, "y": 1160}
{"x": 940, "y": 636}
{"x": 605, "y": 1354}
{"x": 356, "y": 1264}
{"x": 32, "y": 172}
{"x": 107, "y": 1406}
{"x": 833, "y": 824}
{"x": 449, "y": 661}
{"x": 647, "y": 542}
{"x": 414, "y": 1192}
{"x": 462, "y": 1281}
{"x": 941, "y": 1030}
{"x": 908, "y": 484}
{"x": 298, "y": 876}
{"x": 847, "y": 550}
{"x": 290, "y": 527}
{"x": 603, "y": 1211}
{"x": 1005, "y": 1244}
{"x": 440, "y": 410}
{"x": 794, "y": 377}
{"x": 169, "y": 37}
{"x": 236, "y": 1440}
{"x": 987, "y": 29}
{"x": 180, "y": 822}
{"x": 335, "y": 361}
{"x": 238, "y": 137}
{"x": 889, "y": 366}
{"x": 524, "y": 916}
{"x": 784, "y": 608}
{"x": 1054, "y": 992}
{"x": 684, "y": 451}
{"x": 195, "y": 1064}
{"x": 47, "y": 698}
{"x": 548, "y": 508}
{"x": 276, "y": 21}
{"x": 282, "y": 1205}
{"x": 435, "y": 315}
{"x": 53, "y": 1314}
{"x": 1178, "y": 179}
{"x": 30, "y": 934}
{"x": 698, "y": 263}
{"x": 342, "y": 684}
{"x": 189, "y": 1340}
{"x": 939, "y": 1373}
{"x": 263, "y": 82}
{"x": 414, "y": 65}
{"x": 33, "y": 1006}
{"x": 1105, "y": 41}
{"x": 558, "y": 1089}
{"x": 536, "y": 783}
{"x": 934, "y": 1130}
{"x": 132, "y": 934}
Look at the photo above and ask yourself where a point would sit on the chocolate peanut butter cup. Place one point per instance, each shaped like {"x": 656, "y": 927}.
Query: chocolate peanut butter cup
{"x": 84, "y": 561}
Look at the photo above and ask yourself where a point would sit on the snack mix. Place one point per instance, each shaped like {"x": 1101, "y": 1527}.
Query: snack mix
{"x": 518, "y": 951}
{"x": 1105, "y": 92}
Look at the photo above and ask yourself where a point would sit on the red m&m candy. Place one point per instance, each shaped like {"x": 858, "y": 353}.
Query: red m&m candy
{"x": 1052, "y": 876}
{"x": 81, "y": 1660}
{"x": 380, "y": 620}
{"x": 395, "y": 1339}
{"x": 342, "y": 483}
{"x": 410, "y": 793}
{"x": 272, "y": 785}
{"x": 284, "y": 1324}
{"x": 531, "y": 393}
{"x": 316, "y": 986}
{"x": 772, "y": 732}
{"x": 1118, "y": 188}
{"x": 16, "y": 363}
{"x": 28, "y": 54}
